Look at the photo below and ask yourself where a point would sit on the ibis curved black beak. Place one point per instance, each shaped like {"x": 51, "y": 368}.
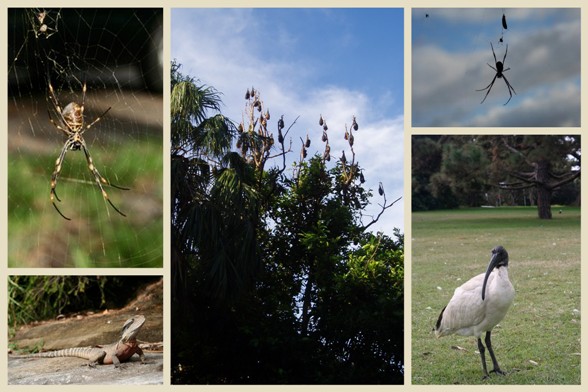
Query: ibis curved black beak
{"x": 493, "y": 263}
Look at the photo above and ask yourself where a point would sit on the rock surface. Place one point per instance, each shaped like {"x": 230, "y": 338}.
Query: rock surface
{"x": 69, "y": 370}
{"x": 91, "y": 330}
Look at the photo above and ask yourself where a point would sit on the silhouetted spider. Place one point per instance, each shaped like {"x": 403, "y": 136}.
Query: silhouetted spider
{"x": 499, "y": 74}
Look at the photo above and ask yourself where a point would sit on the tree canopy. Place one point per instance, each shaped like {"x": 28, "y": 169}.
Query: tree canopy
{"x": 453, "y": 171}
{"x": 275, "y": 277}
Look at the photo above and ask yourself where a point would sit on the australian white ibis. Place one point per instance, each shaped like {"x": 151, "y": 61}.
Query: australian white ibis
{"x": 478, "y": 305}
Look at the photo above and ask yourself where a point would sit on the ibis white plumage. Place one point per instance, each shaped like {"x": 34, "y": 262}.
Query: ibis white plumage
{"x": 478, "y": 305}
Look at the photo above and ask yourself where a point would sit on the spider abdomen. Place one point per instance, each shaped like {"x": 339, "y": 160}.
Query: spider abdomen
{"x": 73, "y": 114}
{"x": 499, "y": 68}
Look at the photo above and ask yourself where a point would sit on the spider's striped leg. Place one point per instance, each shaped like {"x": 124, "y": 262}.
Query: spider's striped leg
{"x": 60, "y": 213}
{"x": 57, "y": 125}
{"x": 98, "y": 177}
{"x": 83, "y": 96}
{"x": 489, "y": 87}
{"x": 96, "y": 119}
{"x": 55, "y": 176}
{"x": 54, "y": 98}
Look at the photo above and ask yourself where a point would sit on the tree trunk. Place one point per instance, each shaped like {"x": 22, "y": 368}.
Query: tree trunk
{"x": 544, "y": 191}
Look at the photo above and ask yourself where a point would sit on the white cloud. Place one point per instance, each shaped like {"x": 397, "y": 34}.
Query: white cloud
{"x": 232, "y": 62}
{"x": 543, "y": 57}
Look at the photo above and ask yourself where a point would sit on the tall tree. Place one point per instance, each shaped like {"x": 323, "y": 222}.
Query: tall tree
{"x": 275, "y": 278}
{"x": 473, "y": 169}
{"x": 426, "y": 161}
{"x": 464, "y": 170}
{"x": 542, "y": 163}
{"x": 214, "y": 202}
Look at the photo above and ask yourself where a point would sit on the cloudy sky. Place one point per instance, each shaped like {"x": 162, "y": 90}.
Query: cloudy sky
{"x": 450, "y": 50}
{"x": 307, "y": 62}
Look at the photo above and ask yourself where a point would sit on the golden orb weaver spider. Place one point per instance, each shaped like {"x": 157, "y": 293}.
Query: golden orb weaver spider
{"x": 72, "y": 125}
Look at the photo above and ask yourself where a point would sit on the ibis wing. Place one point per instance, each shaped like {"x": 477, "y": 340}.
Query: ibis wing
{"x": 465, "y": 309}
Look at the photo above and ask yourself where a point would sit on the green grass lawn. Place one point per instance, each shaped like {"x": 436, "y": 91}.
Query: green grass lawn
{"x": 96, "y": 236}
{"x": 538, "y": 342}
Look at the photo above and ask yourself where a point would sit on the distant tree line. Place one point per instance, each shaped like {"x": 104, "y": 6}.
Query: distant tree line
{"x": 450, "y": 171}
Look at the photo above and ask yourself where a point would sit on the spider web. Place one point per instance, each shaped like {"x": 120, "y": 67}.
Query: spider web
{"x": 117, "y": 53}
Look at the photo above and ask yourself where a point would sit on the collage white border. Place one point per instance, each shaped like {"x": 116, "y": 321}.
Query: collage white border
{"x": 408, "y": 132}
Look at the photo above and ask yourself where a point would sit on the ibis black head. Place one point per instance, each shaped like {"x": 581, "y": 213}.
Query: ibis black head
{"x": 499, "y": 259}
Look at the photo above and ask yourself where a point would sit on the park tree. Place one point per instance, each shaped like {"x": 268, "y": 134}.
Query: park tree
{"x": 543, "y": 163}
{"x": 426, "y": 161}
{"x": 475, "y": 169}
{"x": 463, "y": 170}
{"x": 275, "y": 276}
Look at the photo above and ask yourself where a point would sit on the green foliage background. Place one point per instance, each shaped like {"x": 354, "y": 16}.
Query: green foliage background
{"x": 42, "y": 297}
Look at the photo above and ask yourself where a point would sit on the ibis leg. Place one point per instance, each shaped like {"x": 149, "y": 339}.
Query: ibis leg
{"x": 496, "y": 369}
{"x": 481, "y": 349}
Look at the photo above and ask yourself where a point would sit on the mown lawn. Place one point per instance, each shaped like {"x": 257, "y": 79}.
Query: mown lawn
{"x": 538, "y": 342}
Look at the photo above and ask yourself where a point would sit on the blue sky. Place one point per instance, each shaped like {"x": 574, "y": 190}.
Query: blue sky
{"x": 450, "y": 50}
{"x": 306, "y": 62}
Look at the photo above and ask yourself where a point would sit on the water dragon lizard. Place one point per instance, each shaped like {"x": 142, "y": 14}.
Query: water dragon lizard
{"x": 114, "y": 353}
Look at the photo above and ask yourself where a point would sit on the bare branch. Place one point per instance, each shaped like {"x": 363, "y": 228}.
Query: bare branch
{"x": 571, "y": 178}
{"x": 515, "y": 151}
{"x": 384, "y": 208}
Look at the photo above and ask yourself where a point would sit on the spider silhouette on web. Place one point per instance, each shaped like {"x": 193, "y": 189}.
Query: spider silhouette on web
{"x": 499, "y": 74}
